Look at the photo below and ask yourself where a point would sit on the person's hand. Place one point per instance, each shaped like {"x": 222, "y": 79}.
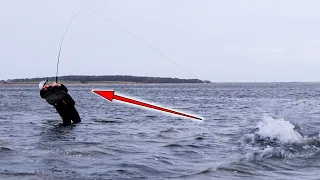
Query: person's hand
{"x": 56, "y": 84}
{"x": 46, "y": 86}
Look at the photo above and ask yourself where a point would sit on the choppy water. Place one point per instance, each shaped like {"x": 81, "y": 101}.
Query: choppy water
{"x": 250, "y": 131}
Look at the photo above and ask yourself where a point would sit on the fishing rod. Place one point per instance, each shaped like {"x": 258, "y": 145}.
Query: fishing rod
{"x": 62, "y": 43}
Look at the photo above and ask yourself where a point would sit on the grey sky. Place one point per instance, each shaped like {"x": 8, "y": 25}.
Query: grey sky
{"x": 215, "y": 40}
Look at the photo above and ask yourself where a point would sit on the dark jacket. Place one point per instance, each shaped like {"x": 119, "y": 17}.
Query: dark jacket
{"x": 57, "y": 96}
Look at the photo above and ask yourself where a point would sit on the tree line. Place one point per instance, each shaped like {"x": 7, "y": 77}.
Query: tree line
{"x": 117, "y": 78}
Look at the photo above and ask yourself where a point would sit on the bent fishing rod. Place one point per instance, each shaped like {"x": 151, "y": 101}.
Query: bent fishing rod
{"x": 62, "y": 43}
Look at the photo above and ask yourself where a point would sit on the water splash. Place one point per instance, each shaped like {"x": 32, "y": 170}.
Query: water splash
{"x": 278, "y": 138}
{"x": 278, "y": 129}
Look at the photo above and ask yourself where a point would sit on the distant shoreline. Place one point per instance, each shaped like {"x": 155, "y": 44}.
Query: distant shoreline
{"x": 108, "y": 79}
{"x": 69, "y": 82}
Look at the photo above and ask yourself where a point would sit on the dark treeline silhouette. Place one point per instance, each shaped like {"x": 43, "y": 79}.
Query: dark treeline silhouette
{"x": 117, "y": 78}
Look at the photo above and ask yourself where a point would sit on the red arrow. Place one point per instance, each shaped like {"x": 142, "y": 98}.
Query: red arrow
{"x": 110, "y": 96}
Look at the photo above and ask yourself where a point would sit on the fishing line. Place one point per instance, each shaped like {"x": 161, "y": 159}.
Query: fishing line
{"x": 126, "y": 31}
{"x": 62, "y": 42}
{"x": 149, "y": 46}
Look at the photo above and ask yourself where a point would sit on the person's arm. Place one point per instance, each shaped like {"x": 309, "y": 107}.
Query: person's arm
{"x": 60, "y": 86}
{"x": 63, "y": 88}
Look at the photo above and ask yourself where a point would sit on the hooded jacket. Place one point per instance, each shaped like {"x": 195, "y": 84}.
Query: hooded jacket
{"x": 57, "y": 96}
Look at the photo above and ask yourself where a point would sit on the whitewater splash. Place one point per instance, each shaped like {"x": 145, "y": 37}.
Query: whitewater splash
{"x": 278, "y": 138}
{"x": 278, "y": 129}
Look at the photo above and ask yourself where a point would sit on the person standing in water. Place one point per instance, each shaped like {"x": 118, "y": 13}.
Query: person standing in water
{"x": 57, "y": 96}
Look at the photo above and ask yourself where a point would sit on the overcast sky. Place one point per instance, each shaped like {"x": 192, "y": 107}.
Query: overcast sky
{"x": 213, "y": 40}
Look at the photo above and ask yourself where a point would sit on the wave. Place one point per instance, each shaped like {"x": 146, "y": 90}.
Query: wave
{"x": 106, "y": 121}
{"x": 5, "y": 149}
